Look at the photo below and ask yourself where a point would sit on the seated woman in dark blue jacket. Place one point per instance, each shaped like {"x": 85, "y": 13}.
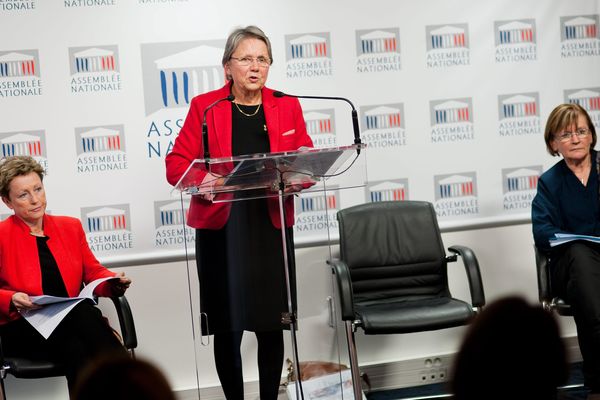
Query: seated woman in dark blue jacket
{"x": 567, "y": 202}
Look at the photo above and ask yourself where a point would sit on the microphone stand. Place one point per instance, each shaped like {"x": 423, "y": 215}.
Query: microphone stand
{"x": 355, "y": 126}
{"x": 205, "y": 129}
{"x": 288, "y": 317}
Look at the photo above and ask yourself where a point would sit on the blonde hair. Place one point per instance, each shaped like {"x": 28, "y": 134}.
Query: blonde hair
{"x": 13, "y": 166}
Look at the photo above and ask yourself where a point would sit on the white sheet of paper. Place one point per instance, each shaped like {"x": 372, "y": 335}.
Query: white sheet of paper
{"x": 55, "y": 309}
{"x": 47, "y": 318}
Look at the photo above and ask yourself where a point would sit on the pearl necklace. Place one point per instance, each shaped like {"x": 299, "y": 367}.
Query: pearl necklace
{"x": 246, "y": 114}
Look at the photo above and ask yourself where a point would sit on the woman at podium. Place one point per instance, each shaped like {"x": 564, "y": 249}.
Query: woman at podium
{"x": 239, "y": 251}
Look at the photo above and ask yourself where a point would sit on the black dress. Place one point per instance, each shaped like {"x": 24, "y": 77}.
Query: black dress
{"x": 240, "y": 267}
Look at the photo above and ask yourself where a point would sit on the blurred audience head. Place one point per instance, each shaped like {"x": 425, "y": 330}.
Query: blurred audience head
{"x": 512, "y": 349}
{"x": 122, "y": 378}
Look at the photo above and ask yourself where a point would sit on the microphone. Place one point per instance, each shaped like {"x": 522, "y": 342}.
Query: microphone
{"x": 354, "y": 114}
{"x": 205, "y": 128}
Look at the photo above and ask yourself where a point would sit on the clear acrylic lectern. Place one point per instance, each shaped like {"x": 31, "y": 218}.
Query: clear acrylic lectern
{"x": 276, "y": 175}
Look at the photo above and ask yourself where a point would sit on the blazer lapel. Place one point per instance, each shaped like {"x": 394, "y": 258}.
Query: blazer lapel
{"x": 272, "y": 116}
{"x": 220, "y": 133}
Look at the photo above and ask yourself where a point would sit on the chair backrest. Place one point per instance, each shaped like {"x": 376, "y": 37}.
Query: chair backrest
{"x": 393, "y": 249}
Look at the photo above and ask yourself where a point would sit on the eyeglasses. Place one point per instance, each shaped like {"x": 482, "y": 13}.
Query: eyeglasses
{"x": 566, "y": 135}
{"x": 262, "y": 62}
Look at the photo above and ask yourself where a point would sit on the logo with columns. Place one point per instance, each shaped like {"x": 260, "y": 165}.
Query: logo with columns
{"x": 108, "y": 227}
{"x": 170, "y": 213}
{"x": 390, "y": 190}
{"x": 315, "y": 214}
{"x": 94, "y": 59}
{"x": 19, "y": 64}
{"x": 519, "y": 186}
{"x": 378, "y": 50}
{"x": 519, "y": 114}
{"x": 169, "y": 223}
{"x": 520, "y": 179}
{"x": 94, "y": 69}
{"x": 579, "y": 27}
{"x": 447, "y": 37}
{"x": 383, "y": 125}
{"x": 515, "y": 40}
{"x": 456, "y": 185}
{"x": 451, "y": 120}
{"x": 518, "y": 105}
{"x": 26, "y": 143}
{"x": 316, "y": 202}
{"x": 106, "y": 218}
{"x": 456, "y": 195}
{"x": 580, "y": 36}
{"x": 308, "y": 55}
{"x": 514, "y": 32}
{"x": 100, "y": 148}
{"x": 320, "y": 125}
{"x": 589, "y": 99}
{"x": 447, "y": 45}
{"x": 173, "y": 73}
{"x": 308, "y": 46}
{"x": 378, "y": 41}
{"x": 100, "y": 139}
{"x": 455, "y": 111}
{"x": 20, "y": 74}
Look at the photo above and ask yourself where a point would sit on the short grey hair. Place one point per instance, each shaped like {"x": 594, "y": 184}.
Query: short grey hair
{"x": 239, "y": 34}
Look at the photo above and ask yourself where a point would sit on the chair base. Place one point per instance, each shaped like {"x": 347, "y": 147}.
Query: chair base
{"x": 356, "y": 386}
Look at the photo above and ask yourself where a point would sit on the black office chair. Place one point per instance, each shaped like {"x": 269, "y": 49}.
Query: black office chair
{"x": 547, "y": 297}
{"x": 33, "y": 369}
{"x": 392, "y": 273}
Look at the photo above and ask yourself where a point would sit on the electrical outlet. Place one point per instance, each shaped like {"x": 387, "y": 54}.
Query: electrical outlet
{"x": 434, "y": 371}
{"x": 433, "y": 375}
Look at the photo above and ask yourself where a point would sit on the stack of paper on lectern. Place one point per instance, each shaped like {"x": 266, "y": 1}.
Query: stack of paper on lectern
{"x": 54, "y": 309}
{"x": 561, "y": 238}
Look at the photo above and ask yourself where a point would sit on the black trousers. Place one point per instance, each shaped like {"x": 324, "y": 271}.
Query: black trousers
{"x": 82, "y": 336}
{"x": 576, "y": 278}
{"x": 228, "y": 361}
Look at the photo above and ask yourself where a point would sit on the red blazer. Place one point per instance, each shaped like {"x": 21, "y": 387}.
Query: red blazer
{"x": 286, "y": 129}
{"x": 20, "y": 264}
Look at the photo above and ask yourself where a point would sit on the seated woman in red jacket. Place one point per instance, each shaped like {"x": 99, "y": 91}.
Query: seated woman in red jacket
{"x": 44, "y": 254}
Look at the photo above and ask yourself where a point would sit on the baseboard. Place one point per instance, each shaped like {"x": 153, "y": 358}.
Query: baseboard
{"x": 382, "y": 376}
{"x": 428, "y": 370}
{"x": 216, "y": 393}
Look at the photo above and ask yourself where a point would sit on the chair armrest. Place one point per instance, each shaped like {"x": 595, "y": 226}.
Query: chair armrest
{"x": 125, "y": 322}
{"x": 344, "y": 285}
{"x": 473, "y": 274}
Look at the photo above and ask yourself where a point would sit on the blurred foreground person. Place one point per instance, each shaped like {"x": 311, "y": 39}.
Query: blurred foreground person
{"x": 511, "y": 351}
